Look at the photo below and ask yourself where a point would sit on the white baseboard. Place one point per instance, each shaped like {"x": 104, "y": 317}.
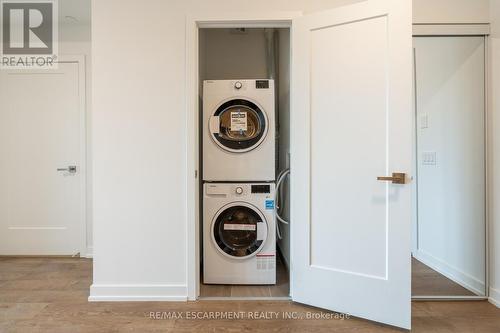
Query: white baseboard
{"x": 465, "y": 280}
{"x": 133, "y": 293}
{"x": 494, "y": 297}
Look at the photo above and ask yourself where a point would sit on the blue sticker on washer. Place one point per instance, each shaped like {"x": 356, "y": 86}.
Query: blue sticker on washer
{"x": 269, "y": 204}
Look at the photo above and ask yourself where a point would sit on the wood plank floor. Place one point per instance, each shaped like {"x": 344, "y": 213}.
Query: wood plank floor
{"x": 280, "y": 289}
{"x": 427, "y": 282}
{"x": 50, "y": 295}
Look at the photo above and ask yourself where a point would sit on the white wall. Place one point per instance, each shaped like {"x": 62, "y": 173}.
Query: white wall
{"x": 450, "y": 11}
{"x": 139, "y": 128}
{"x": 479, "y": 11}
{"x": 139, "y": 141}
{"x": 494, "y": 149}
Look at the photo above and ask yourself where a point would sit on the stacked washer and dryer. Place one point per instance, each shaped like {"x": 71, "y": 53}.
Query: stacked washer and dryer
{"x": 239, "y": 171}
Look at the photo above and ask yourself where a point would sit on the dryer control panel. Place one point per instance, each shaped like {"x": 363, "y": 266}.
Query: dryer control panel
{"x": 262, "y": 84}
{"x": 261, "y": 188}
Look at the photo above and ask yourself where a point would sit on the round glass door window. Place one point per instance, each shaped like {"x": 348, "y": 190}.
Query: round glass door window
{"x": 239, "y": 231}
{"x": 240, "y": 126}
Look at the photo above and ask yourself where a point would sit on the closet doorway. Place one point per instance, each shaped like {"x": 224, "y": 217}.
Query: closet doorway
{"x": 449, "y": 257}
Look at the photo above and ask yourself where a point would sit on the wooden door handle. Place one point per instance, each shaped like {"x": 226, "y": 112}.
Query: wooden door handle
{"x": 397, "y": 178}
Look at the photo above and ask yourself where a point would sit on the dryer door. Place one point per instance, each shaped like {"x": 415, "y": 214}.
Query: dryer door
{"x": 239, "y": 230}
{"x": 238, "y": 125}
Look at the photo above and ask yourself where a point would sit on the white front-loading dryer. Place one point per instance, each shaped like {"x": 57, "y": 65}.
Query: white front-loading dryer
{"x": 238, "y": 130}
{"x": 239, "y": 228}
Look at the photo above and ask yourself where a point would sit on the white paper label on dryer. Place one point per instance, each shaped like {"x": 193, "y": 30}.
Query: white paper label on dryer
{"x": 240, "y": 227}
{"x": 238, "y": 121}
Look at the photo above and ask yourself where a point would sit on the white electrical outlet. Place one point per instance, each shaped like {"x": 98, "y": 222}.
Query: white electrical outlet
{"x": 424, "y": 121}
{"x": 429, "y": 158}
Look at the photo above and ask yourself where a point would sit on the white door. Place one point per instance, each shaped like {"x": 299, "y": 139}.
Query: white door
{"x": 351, "y": 123}
{"x": 41, "y": 207}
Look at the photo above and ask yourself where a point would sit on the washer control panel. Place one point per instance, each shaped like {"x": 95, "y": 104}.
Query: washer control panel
{"x": 245, "y": 189}
{"x": 226, "y": 190}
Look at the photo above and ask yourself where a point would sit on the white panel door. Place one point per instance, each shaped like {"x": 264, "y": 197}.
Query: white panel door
{"x": 41, "y": 208}
{"x": 351, "y": 123}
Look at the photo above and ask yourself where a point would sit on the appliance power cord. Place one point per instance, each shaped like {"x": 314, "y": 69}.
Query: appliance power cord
{"x": 277, "y": 196}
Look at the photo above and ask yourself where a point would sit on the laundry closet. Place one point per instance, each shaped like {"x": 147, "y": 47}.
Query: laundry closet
{"x": 332, "y": 124}
{"x": 244, "y": 161}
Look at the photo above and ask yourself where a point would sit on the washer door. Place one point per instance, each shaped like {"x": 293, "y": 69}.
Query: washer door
{"x": 239, "y": 230}
{"x": 238, "y": 125}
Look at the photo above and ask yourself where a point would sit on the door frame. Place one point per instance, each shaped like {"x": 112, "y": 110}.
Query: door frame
{"x": 459, "y": 30}
{"x": 79, "y": 59}
{"x": 195, "y": 22}
{"x": 82, "y": 87}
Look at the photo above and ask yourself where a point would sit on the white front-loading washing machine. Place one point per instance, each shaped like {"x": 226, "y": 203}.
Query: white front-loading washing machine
{"x": 239, "y": 228}
{"x": 238, "y": 130}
